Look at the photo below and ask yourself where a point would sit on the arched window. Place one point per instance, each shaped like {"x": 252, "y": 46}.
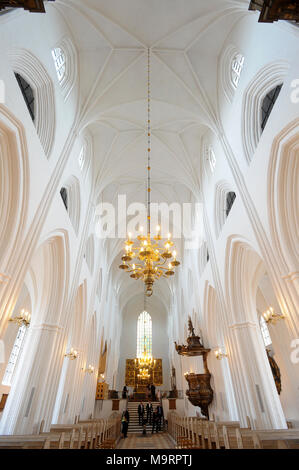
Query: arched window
{"x": 59, "y": 62}
{"x": 63, "y": 194}
{"x": 27, "y": 93}
{"x": 70, "y": 195}
{"x": 224, "y": 200}
{"x": 66, "y": 65}
{"x": 268, "y": 103}
{"x": 144, "y": 334}
{"x": 15, "y": 353}
{"x": 265, "y": 332}
{"x": 210, "y": 159}
{"x": 230, "y": 198}
{"x": 229, "y": 70}
{"x": 81, "y": 158}
{"x": 203, "y": 256}
{"x": 236, "y": 69}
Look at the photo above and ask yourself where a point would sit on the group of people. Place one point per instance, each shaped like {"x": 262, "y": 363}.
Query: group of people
{"x": 149, "y": 415}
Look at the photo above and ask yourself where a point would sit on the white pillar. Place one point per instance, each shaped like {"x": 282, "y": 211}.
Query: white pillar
{"x": 33, "y": 391}
{"x": 254, "y": 386}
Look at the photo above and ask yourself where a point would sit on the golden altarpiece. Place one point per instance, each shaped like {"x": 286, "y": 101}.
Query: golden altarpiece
{"x": 139, "y": 383}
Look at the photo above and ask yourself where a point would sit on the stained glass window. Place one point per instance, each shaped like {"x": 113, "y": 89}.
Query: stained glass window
{"x": 144, "y": 334}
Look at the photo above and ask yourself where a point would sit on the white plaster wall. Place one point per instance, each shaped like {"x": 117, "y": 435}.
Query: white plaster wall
{"x": 128, "y": 341}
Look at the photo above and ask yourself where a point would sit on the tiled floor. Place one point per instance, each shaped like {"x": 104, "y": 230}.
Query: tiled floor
{"x": 149, "y": 441}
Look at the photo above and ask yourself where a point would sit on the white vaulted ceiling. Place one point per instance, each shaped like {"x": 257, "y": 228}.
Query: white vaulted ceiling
{"x": 186, "y": 38}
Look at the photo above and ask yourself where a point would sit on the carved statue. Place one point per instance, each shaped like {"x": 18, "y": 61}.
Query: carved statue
{"x": 275, "y": 371}
{"x": 190, "y": 327}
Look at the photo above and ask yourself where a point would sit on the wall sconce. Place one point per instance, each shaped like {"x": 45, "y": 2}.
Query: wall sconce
{"x": 90, "y": 369}
{"x": 219, "y": 354}
{"x": 22, "y": 319}
{"x": 271, "y": 317}
{"x": 73, "y": 354}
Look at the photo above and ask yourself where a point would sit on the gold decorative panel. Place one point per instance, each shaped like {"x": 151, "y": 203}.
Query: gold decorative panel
{"x": 158, "y": 373}
{"x": 156, "y": 376}
{"x": 130, "y": 373}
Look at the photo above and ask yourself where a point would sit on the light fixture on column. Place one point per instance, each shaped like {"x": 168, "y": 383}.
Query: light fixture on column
{"x": 219, "y": 354}
{"x": 73, "y": 354}
{"x": 90, "y": 369}
{"x": 22, "y": 319}
{"x": 153, "y": 259}
{"x": 271, "y": 317}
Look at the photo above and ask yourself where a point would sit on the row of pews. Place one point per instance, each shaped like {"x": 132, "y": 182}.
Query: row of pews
{"x": 90, "y": 434}
{"x": 196, "y": 433}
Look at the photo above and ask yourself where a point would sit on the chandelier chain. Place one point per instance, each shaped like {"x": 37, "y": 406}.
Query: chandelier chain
{"x": 149, "y": 144}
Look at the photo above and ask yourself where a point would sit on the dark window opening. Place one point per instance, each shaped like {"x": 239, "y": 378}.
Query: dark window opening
{"x": 208, "y": 256}
{"x": 63, "y": 194}
{"x": 268, "y": 103}
{"x": 27, "y": 93}
{"x": 230, "y": 198}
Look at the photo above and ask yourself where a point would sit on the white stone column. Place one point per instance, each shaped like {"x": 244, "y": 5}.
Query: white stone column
{"x": 254, "y": 386}
{"x": 33, "y": 392}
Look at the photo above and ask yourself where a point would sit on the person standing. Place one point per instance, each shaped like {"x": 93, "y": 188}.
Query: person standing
{"x": 124, "y": 425}
{"x": 160, "y": 416}
{"x": 125, "y": 391}
{"x": 155, "y": 421}
{"x": 127, "y": 415}
{"x": 149, "y": 412}
{"x": 153, "y": 392}
{"x": 140, "y": 413}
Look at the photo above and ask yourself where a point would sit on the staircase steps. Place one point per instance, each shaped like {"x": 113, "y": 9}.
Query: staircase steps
{"x": 134, "y": 427}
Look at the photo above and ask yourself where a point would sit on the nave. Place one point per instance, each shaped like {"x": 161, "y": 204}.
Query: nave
{"x": 148, "y": 224}
{"x": 148, "y": 441}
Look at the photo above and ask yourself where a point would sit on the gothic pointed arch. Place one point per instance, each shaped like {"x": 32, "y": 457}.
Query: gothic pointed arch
{"x": 224, "y": 199}
{"x": 70, "y": 195}
{"x": 66, "y": 64}
{"x": 270, "y": 76}
{"x": 32, "y": 70}
{"x": 14, "y": 183}
{"x": 229, "y": 70}
{"x": 283, "y": 194}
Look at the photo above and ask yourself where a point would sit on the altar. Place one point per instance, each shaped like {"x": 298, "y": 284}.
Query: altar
{"x": 138, "y": 383}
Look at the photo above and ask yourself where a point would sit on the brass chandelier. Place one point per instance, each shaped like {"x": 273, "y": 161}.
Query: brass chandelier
{"x": 153, "y": 258}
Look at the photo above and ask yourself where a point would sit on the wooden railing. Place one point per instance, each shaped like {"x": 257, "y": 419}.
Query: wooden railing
{"x": 90, "y": 434}
{"x": 196, "y": 433}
